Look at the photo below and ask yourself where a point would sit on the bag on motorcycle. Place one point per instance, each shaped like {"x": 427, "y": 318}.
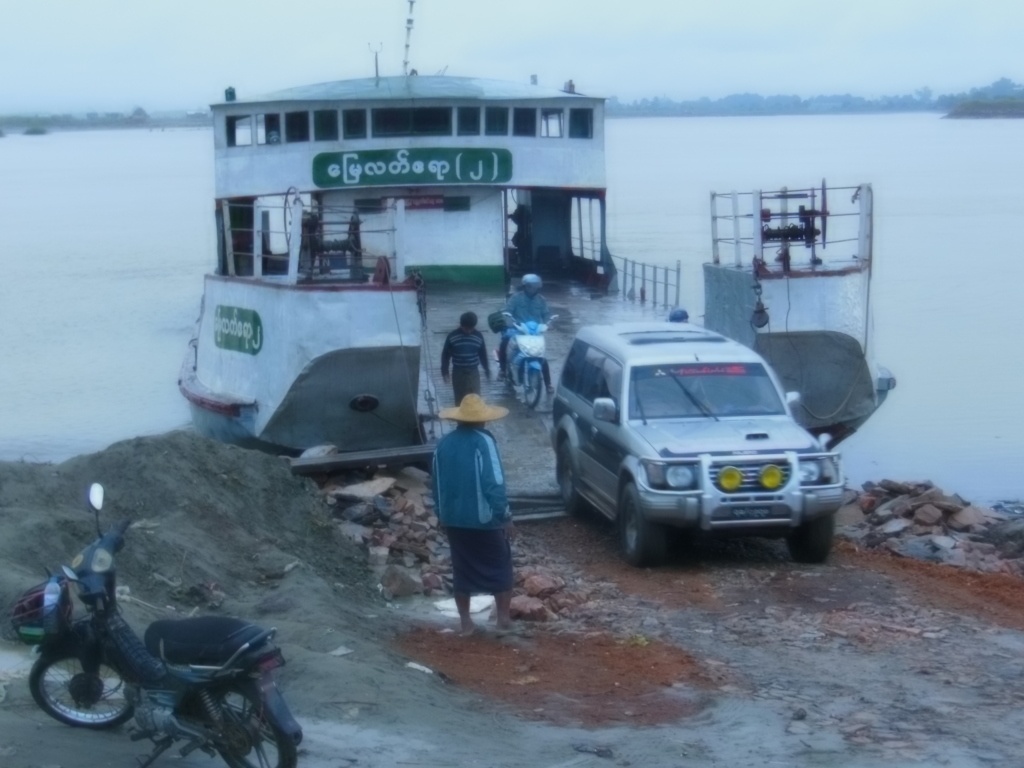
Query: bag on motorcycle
{"x": 496, "y": 321}
{"x": 36, "y": 614}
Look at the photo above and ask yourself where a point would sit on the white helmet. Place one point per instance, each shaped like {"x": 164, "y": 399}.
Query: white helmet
{"x": 532, "y": 279}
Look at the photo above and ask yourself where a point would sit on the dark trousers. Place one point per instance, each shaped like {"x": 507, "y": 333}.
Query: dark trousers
{"x": 465, "y": 381}
{"x": 503, "y": 358}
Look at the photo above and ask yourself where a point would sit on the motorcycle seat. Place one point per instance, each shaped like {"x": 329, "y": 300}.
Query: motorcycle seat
{"x": 208, "y": 640}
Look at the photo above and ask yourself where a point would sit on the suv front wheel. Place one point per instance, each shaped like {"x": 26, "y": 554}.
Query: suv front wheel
{"x": 643, "y": 542}
{"x": 812, "y": 541}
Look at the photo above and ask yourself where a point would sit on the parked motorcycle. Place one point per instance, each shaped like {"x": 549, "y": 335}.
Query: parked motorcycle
{"x": 525, "y": 356}
{"x": 205, "y": 681}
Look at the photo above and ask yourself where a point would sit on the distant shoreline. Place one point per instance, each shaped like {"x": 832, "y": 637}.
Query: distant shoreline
{"x": 980, "y": 110}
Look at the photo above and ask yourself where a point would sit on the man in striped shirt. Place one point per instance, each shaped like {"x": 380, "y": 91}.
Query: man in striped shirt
{"x": 464, "y": 350}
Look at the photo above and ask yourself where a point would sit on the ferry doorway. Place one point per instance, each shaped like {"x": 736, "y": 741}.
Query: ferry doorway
{"x": 556, "y": 233}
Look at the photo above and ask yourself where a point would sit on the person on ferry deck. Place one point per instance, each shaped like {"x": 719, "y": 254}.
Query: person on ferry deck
{"x": 465, "y": 350}
{"x": 527, "y": 304}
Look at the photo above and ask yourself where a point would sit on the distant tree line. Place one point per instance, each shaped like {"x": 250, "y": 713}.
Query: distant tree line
{"x": 1003, "y": 95}
{"x": 137, "y": 118}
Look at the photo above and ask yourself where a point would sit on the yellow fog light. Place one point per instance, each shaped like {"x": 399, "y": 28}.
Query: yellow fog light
{"x": 771, "y": 477}
{"x": 730, "y": 478}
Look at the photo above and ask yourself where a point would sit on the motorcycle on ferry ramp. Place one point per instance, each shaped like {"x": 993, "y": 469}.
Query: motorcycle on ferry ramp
{"x": 205, "y": 681}
{"x": 525, "y": 356}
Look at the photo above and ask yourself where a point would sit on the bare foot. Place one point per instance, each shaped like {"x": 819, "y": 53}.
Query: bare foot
{"x": 467, "y": 629}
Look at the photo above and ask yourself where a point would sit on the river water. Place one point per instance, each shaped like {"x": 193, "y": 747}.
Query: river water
{"x": 105, "y": 236}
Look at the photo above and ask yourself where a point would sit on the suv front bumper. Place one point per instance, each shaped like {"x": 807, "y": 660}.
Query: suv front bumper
{"x": 710, "y": 508}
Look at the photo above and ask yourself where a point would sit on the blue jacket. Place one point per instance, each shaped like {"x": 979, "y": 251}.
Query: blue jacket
{"x": 524, "y": 307}
{"x": 468, "y": 480}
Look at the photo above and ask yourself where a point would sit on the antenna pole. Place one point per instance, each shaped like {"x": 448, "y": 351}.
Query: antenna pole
{"x": 408, "y": 35}
{"x": 376, "y": 69}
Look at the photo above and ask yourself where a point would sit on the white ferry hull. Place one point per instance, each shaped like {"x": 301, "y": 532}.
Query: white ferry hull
{"x": 289, "y": 367}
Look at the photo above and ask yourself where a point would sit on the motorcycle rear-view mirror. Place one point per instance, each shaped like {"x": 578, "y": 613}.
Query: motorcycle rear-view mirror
{"x": 96, "y": 502}
{"x": 96, "y": 496}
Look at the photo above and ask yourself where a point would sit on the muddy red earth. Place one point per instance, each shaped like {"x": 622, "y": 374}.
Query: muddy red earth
{"x": 591, "y": 679}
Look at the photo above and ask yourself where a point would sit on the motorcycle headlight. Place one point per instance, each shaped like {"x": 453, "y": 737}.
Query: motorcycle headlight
{"x": 810, "y": 472}
{"x": 680, "y": 476}
{"x": 101, "y": 561}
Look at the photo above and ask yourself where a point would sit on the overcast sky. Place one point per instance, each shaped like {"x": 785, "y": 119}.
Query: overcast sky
{"x": 77, "y": 55}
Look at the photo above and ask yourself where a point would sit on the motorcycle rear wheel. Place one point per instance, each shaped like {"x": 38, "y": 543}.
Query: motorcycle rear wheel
{"x": 253, "y": 740}
{"x": 531, "y": 392}
{"x": 64, "y": 691}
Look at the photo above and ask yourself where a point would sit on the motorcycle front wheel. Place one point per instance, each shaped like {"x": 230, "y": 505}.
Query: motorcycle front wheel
{"x": 250, "y": 739}
{"x": 67, "y": 693}
{"x": 531, "y": 392}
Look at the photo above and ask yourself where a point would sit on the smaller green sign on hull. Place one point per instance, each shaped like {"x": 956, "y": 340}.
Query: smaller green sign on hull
{"x": 402, "y": 167}
{"x": 237, "y": 329}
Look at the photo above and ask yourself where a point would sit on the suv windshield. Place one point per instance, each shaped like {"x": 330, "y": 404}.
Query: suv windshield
{"x": 701, "y": 390}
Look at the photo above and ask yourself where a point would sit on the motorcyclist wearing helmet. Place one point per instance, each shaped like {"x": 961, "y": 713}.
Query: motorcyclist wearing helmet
{"x": 679, "y": 315}
{"x": 525, "y": 305}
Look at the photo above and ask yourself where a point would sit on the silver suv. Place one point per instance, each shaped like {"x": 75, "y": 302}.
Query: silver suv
{"x": 669, "y": 424}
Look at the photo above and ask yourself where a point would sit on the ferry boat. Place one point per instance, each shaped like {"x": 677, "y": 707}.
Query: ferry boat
{"x": 781, "y": 285}
{"x": 335, "y": 202}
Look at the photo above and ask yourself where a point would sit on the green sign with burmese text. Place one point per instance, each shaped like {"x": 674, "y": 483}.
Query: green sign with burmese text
{"x": 400, "y": 167}
{"x": 237, "y": 329}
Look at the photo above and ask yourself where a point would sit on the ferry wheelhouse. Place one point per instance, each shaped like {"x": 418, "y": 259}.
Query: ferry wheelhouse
{"x": 335, "y": 202}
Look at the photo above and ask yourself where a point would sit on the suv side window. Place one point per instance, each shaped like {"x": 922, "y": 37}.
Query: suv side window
{"x": 611, "y": 380}
{"x": 573, "y": 366}
{"x": 591, "y": 381}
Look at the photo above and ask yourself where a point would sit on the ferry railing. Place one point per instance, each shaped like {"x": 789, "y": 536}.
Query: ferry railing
{"x": 648, "y": 283}
{"x": 637, "y": 281}
{"x": 258, "y": 240}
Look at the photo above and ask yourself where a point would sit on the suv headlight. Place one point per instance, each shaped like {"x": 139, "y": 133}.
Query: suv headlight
{"x": 677, "y": 477}
{"x": 810, "y": 472}
{"x": 681, "y": 476}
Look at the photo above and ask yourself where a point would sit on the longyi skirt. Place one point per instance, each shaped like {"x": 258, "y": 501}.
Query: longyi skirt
{"x": 481, "y": 560}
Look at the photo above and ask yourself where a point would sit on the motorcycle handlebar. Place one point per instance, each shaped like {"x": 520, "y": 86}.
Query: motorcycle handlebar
{"x": 119, "y": 531}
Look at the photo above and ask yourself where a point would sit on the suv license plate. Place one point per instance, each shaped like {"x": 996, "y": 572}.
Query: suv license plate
{"x": 751, "y": 513}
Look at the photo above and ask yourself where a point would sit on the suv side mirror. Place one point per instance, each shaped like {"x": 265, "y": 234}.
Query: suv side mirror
{"x": 792, "y": 398}
{"x": 605, "y": 410}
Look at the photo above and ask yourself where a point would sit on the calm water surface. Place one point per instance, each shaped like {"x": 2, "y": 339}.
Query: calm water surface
{"x": 105, "y": 236}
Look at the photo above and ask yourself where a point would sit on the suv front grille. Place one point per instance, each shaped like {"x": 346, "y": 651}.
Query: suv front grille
{"x": 751, "y": 475}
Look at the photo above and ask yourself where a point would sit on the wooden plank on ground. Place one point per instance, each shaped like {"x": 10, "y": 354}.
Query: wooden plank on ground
{"x": 355, "y": 459}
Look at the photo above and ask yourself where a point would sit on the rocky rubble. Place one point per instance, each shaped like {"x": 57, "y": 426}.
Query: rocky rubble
{"x": 920, "y": 520}
{"x": 391, "y": 516}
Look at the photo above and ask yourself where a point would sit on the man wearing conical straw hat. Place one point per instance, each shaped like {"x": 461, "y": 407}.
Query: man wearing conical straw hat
{"x": 472, "y": 505}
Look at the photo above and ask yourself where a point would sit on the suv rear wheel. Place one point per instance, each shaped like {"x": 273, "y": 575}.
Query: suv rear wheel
{"x": 812, "y": 541}
{"x": 571, "y": 498}
{"x": 643, "y": 542}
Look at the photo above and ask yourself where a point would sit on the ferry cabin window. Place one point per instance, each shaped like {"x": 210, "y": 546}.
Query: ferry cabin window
{"x": 325, "y": 125}
{"x": 296, "y": 126}
{"x": 581, "y": 123}
{"x": 496, "y": 121}
{"x": 524, "y": 121}
{"x": 468, "y": 121}
{"x": 268, "y": 129}
{"x": 354, "y": 121}
{"x": 239, "y": 130}
{"x": 551, "y": 123}
{"x": 418, "y": 121}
